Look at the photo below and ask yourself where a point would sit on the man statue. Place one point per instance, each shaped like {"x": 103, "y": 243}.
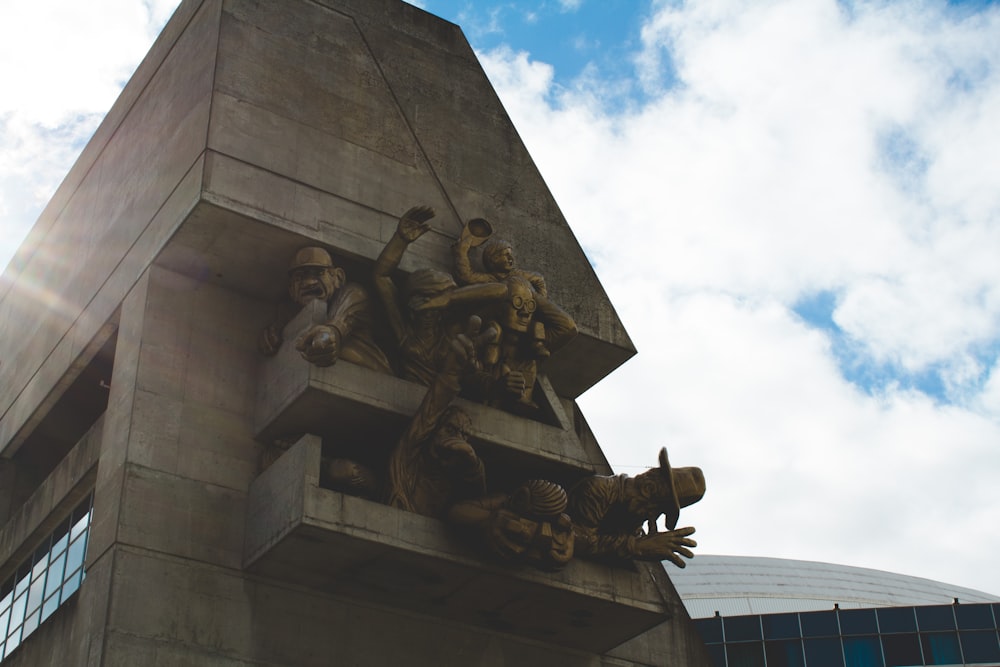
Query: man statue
{"x": 343, "y": 330}
{"x": 608, "y": 513}
{"x": 433, "y": 465}
{"x": 528, "y": 524}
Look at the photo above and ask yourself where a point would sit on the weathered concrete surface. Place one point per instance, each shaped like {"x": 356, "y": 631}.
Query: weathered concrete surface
{"x": 252, "y": 129}
{"x": 301, "y": 533}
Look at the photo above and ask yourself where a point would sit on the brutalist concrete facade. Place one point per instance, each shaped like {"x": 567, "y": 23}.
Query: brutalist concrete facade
{"x": 129, "y": 321}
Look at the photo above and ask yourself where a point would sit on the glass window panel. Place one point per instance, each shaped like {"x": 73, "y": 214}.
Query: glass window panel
{"x": 35, "y": 594}
{"x": 3, "y": 624}
{"x": 31, "y": 623}
{"x": 60, "y": 538}
{"x": 13, "y": 641}
{"x": 896, "y": 619}
{"x": 72, "y": 583}
{"x": 79, "y": 523}
{"x": 786, "y": 653}
{"x": 74, "y": 558}
{"x": 42, "y": 552}
{"x": 38, "y": 571}
{"x": 823, "y": 652}
{"x": 819, "y": 624}
{"x": 901, "y": 649}
{"x": 742, "y": 628}
{"x": 980, "y": 646}
{"x": 858, "y": 622}
{"x": 781, "y": 626}
{"x": 50, "y": 606}
{"x": 23, "y": 579}
{"x": 717, "y": 652}
{"x": 863, "y": 652}
{"x": 710, "y": 629}
{"x": 935, "y": 618}
{"x": 974, "y": 617}
{"x": 745, "y": 655}
{"x": 7, "y": 599}
{"x": 60, "y": 546}
{"x": 941, "y": 648}
{"x": 55, "y": 576}
{"x": 17, "y": 611}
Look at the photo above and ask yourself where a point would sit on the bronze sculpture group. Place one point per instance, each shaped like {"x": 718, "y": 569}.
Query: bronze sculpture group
{"x": 479, "y": 334}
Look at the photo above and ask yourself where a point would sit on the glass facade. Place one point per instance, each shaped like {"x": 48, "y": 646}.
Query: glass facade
{"x": 45, "y": 580}
{"x": 960, "y": 634}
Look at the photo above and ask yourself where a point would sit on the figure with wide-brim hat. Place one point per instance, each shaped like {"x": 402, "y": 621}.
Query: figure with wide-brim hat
{"x": 609, "y": 512}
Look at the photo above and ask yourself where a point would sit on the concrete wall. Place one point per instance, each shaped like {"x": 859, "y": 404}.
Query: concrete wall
{"x": 131, "y": 188}
{"x": 251, "y": 129}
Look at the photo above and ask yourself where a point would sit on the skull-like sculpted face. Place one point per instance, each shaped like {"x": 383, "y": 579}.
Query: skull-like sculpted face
{"x": 520, "y": 307}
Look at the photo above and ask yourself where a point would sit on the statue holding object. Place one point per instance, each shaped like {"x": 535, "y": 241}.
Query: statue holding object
{"x": 527, "y": 525}
{"x": 498, "y": 260}
{"x": 418, "y": 315}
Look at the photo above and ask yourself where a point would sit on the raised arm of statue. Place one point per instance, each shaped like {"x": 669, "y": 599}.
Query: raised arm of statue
{"x": 469, "y": 294}
{"x": 412, "y": 225}
{"x": 475, "y": 232}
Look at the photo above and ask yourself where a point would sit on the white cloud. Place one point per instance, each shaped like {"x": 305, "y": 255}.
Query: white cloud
{"x": 51, "y": 107}
{"x": 759, "y": 175}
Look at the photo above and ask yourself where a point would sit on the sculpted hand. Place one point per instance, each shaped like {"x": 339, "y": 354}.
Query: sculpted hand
{"x": 414, "y": 223}
{"x": 319, "y": 345}
{"x": 269, "y": 341}
{"x": 465, "y": 347}
{"x": 514, "y": 382}
{"x": 666, "y": 545}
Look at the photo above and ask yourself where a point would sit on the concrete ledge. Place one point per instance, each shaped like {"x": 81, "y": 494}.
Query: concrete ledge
{"x": 342, "y": 545}
{"x": 345, "y": 402}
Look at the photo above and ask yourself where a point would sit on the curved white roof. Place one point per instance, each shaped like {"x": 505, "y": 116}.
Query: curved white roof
{"x": 738, "y": 585}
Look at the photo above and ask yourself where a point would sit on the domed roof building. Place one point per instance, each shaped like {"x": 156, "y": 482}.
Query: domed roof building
{"x": 773, "y": 612}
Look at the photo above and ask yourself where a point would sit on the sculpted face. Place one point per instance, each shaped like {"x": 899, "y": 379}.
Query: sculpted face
{"x": 450, "y": 442}
{"x": 306, "y": 283}
{"x": 645, "y": 499}
{"x": 520, "y": 307}
{"x": 498, "y": 257}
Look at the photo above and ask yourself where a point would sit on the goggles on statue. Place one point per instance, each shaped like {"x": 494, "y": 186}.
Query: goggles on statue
{"x": 519, "y": 302}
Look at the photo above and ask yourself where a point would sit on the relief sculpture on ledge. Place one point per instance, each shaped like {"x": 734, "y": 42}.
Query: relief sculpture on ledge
{"x": 482, "y": 335}
{"x": 342, "y": 325}
{"x": 529, "y": 326}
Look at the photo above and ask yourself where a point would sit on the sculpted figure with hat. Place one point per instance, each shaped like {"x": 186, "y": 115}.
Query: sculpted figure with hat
{"x": 608, "y": 513}
{"x": 343, "y": 329}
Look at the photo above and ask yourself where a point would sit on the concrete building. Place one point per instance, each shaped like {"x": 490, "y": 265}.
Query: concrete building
{"x": 136, "y": 524}
{"x": 772, "y": 612}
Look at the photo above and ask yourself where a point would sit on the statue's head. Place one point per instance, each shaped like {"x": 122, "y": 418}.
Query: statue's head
{"x": 454, "y": 422}
{"x": 312, "y": 275}
{"x": 665, "y": 490}
{"x": 519, "y": 310}
{"x": 426, "y": 283}
{"x": 498, "y": 256}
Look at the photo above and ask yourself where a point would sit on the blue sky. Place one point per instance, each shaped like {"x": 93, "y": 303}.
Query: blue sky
{"x": 793, "y": 204}
{"x": 570, "y": 36}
